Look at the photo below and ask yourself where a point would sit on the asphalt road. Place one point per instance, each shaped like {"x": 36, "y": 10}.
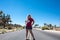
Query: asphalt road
{"x": 39, "y": 35}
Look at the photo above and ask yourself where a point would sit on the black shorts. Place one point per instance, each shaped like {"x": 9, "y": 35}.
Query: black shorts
{"x": 29, "y": 28}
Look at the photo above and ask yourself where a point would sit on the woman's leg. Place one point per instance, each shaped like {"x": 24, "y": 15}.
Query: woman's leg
{"x": 26, "y": 33}
{"x": 32, "y": 34}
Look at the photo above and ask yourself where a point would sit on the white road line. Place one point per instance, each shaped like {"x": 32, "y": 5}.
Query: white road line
{"x": 30, "y": 36}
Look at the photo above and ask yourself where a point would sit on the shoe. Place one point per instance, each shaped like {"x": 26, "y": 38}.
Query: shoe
{"x": 27, "y": 39}
{"x": 33, "y": 39}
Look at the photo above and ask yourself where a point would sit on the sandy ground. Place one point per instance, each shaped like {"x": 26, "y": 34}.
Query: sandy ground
{"x": 51, "y": 31}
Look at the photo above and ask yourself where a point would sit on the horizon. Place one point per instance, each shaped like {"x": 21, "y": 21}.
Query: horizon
{"x": 42, "y": 11}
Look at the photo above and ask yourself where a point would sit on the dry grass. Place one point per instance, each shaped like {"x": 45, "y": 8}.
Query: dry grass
{"x": 2, "y": 31}
{"x": 57, "y": 29}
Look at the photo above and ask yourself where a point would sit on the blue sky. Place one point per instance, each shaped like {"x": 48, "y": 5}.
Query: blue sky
{"x": 42, "y": 11}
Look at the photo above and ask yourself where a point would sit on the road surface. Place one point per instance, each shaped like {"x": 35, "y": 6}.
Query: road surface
{"x": 39, "y": 35}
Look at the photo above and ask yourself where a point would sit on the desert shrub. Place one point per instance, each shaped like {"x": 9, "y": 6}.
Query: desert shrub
{"x": 45, "y": 28}
{"x": 9, "y": 28}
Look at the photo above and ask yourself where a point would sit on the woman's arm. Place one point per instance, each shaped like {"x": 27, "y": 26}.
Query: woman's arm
{"x": 33, "y": 22}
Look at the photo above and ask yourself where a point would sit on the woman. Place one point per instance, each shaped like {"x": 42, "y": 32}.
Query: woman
{"x": 29, "y": 22}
